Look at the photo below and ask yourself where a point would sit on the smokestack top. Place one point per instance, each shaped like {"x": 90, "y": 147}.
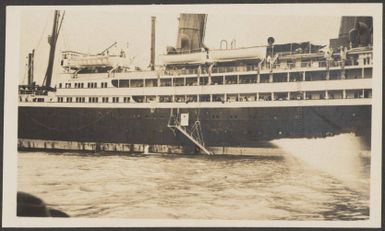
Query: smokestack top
{"x": 191, "y": 31}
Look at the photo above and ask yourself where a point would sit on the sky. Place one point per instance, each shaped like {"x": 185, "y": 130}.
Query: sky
{"x": 92, "y": 29}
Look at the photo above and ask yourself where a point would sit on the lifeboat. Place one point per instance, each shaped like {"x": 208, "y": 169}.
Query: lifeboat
{"x": 238, "y": 53}
{"x": 189, "y": 58}
{"x": 96, "y": 61}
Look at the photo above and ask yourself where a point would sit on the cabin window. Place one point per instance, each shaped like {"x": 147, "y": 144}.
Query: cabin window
{"x": 91, "y": 85}
{"x": 264, "y": 78}
{"x": 335, "y": 94}
{"x": 281, "y": 96}
{"x": 192, "y": 81}
{"x": 191, "y": 98}
{"x": 354, "y": 94}
{"x": 137, "y": 83}
{"x": 165, "y": 98}
{"x": 105, "y": 99}
{"x": 219, "y": 98}
{"x": 165, "y": 82}
{"x": 69, "y": 99}
{"x": 231, "y": 79}
{"x": 115, "y": 99}
{"x": 297, "y": 95}
{"x": 265, "y": 96}
{"x": 334, "y": 74}
{"x": 179, "y": 81}
{"x": 180, "y": 98}
{"x": 232, "y": 98}
{"x": 279, "y": 77}
{"x": 126, "y": 99}
{"x": 295, "y": 76}
{"x": 138, "y": 99}
{"x": 150, "y": 98}
{"x": 315, "y": 75}
{"x": 60, "y": 85}
{"x": 315, "y": 95}
{"x": 244, "y": 79}
{"x": 151, "y": 82}
{"x": 120, "y": 83}
{"x": 80, "y": 99}
{"x": 248, "y": 97}
{"x": 203, "y": 80}
{"x": 353, "y": 74}
{"x": 93, "y": 99}
{"x": 204, "y": 98}
{"x": 217, "y": 80}
{"x": 367, "y": 93}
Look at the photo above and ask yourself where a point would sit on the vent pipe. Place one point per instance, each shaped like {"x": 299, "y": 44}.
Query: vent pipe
{"x": 30, "y": 67}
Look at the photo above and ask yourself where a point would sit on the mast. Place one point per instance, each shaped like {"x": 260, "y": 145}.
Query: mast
{"x": 152, "y": 62}
{"x": 52, "y": 42}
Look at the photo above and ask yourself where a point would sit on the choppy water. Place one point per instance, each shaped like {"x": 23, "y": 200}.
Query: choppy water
{"x": 192, "y": 187}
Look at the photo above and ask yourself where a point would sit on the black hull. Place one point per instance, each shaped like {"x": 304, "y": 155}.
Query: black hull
{"x": 221, "y": 127}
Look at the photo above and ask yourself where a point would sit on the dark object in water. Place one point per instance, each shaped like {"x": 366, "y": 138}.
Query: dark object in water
{"x": 32, "y": 206}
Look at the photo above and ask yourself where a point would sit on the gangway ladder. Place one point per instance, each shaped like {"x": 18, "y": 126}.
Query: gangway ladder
{"x": 300, "y": 114}
{"x": 195, "y": 135}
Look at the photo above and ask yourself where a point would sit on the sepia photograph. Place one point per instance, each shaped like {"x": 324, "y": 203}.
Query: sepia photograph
{"x": 237, "y": 115}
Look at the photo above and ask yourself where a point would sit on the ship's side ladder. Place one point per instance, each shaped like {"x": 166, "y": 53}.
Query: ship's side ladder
{"x": 195, "y": 135}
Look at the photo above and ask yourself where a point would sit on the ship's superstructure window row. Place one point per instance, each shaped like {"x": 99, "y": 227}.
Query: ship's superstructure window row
{"x": 297, "y": 76}
{"x": 227, "y": 97}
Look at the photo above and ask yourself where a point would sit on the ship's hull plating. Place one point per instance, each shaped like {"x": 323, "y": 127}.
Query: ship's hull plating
{"x": 221, "y": 127}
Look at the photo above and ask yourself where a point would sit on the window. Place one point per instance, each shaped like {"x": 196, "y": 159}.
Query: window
{"x": 126, "y": 99}
{"x": 69, "y": 99}
{"x": 115, "y": 99}
{"x": 93, "y": 99}
{"x": 60, "y": 85}
{"x": 105, "y": 99}
{"x": 91, "y": 85}
{"x": 104, "y": 85}
{"x": 80, "y": 99}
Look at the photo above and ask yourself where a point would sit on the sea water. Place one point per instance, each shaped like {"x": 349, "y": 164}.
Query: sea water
{"x": 291, "y": 186}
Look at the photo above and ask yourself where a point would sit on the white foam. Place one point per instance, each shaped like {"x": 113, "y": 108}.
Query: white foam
{"x": 338, "y": 156}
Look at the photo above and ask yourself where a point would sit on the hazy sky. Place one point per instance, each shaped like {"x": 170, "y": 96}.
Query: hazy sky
{"x": 92, "y": 29}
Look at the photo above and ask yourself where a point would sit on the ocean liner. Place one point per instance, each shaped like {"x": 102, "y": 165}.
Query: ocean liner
{"x": 232, "y": 100}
